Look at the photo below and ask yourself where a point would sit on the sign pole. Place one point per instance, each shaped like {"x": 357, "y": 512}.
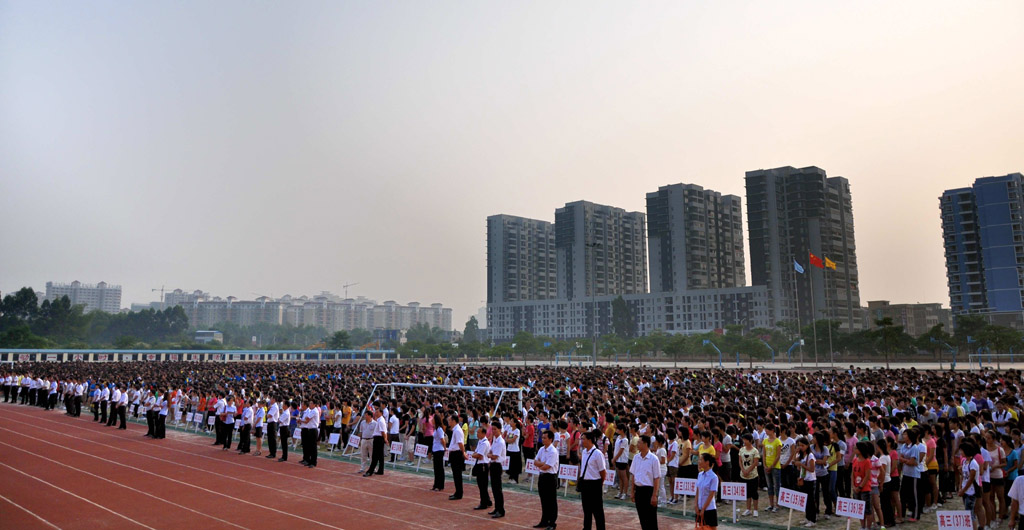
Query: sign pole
{"x": 684, "y": 505}
{"x": 789, "y": 523}
{"x": 734, "y": 513}
{"x": 848, "y": 523}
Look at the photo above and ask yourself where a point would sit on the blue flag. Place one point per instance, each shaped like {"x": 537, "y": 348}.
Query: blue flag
{"x": 797, "y": 267}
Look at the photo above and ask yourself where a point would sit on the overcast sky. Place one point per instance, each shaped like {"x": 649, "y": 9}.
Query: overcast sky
{"x": 292, "y": 147}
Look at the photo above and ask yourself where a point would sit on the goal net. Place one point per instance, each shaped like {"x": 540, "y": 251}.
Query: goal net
{"x": 573, "y": 359}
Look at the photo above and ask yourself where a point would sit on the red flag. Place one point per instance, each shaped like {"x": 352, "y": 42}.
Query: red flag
{"x": 816, "y": 261}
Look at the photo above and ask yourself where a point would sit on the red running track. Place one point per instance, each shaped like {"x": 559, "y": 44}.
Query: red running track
{"x": 63, "y": 472}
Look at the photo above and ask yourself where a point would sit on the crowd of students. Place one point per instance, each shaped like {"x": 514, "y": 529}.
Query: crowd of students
{"x": 903, "y": 441}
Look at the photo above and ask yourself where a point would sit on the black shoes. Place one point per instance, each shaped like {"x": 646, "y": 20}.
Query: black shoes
{"x": 282, "y": 459}
{"x": 454, "y": 497}
{"x": 482, "y": 507}
{"x": 541, "y": 524}
{"x": 271, "y": 456}
{"x": 498, "y": 515}
{"x": 367, "y": 474}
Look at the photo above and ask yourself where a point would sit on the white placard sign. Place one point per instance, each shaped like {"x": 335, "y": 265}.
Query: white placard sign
{"x": 851, "y": 508}
{"x": 353, "y": 441}
{"x": 189, "y": 417}
{"x": 793, "y": 500}
{"x": 505, "y": 462}
{"x": 396, "y": 448}
{"x": 471, "y": 462}
{"x": 531, "y": 467}
{"x": 685, "y": 486}
{"x": 734, "y": 491}
{"x": 421, "y": 451}
{"x": 333, "y": 438}
{"x": 568, "y": 472}
{"x": 609, "y": 478}
{"x": 954, "y": 519}
{"x": 211, "y": 420}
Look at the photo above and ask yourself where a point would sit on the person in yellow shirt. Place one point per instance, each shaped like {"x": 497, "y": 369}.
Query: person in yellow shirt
{"x": 772, "y": 466}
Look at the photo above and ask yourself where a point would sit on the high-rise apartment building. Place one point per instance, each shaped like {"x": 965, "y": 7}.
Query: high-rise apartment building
{"x": 606, "y": 242}
{"x": 520, "y": 259}
{"x": 983, "y": 235}
{"x": 695, "y": 239}
{"x": 793, "y": 212}
{"x": 99, "y": 297}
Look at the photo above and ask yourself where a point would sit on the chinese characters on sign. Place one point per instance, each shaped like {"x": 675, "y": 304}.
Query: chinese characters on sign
{"x": 793, "y": 499}
{"x": 850, "y": 508}
{"x": 954, "y": 520}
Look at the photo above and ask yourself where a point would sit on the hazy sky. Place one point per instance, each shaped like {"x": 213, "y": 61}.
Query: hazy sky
{"x": 273, "y": 147}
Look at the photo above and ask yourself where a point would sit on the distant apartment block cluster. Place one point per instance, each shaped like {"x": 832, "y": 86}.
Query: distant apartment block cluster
{"x": 560, "y": 279}
{"x": 983, "y": 238}
{"x": 325, "y": 310}
{"x": 99, "y": 297}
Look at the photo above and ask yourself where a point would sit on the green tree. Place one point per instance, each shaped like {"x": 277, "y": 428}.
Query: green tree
{"x": 22, "y": 337}
{"x": 935, "y": 339}
{"x": 675, "y": 346}
{"x": 125, "y": 342}
{"x": 472, "y": 331}
{"x": 892, "y": 339}
{"x": 658, "y": 339}
{"x": 525, "y": 342}
{"x": 360, "y": 336}
{"x": 424, "y": 333}
{"x": 623, "y": 323}
{"x": 340, "y": 340}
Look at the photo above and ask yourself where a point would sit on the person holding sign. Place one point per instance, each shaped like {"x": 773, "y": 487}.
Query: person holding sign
{"x": 456, "y": 455}
{"x": 707, "y": 489}
{"x": 645, "y": 475}
{"x": 480, "y": 471}
{"x": 495, "y": 457}
{"x": 592, "y": 478}
{"x": 547, "y": 487}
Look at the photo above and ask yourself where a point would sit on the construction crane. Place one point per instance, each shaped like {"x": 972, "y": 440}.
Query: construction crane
{"x": 346, "y": 286}
{"x": 161, "y": 289}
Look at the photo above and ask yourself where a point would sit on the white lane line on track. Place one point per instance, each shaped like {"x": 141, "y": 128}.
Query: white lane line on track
{"x": 30, "y": 512}
{"x": 121, "y": 485}
{"x": 104, "y": 508}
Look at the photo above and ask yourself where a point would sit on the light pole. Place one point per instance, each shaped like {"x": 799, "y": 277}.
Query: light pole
{"x": 593, "y": 300}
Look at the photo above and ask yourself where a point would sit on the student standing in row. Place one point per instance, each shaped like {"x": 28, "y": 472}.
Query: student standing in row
{"x": 285, "y": 430}
{"x": 546, "y": 461}
{"x": 645, "y": 475}
{"x": 380, "y": 437}
{"x": 592, "y": 477}
{"x": 227, "y": 420}
{"x": 310, "y": 424}
{"x": 273, "y": 416}
{"x": 456, "y": 455}
{"x": 707, "y": 488}
{"x": 495, "y": 457}
{"x": 480, "y": 470}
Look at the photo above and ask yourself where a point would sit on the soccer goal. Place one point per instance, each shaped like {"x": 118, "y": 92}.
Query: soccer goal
{"x": 571, "y": 359}
{"x": 399, "y": 449}
{"x": 993, "y": 360}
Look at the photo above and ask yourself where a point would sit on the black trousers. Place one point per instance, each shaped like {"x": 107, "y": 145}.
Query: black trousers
{"x": 95, "y": 411}
{"x": 218, "y": 429}
{"x": 113, "y": 414}
{"x": 593, "y": 504}
{"x": 244, "y": 438}
{"x": 908, "y": 496}
{"x": 309, "y": 440}
{"x": 458, "y": 464}
{"x": 229, "y": 432}
{"x": 272, "y": 438}
{"x": 122, "y": 415}
{"x": 812, "y": 503}
{"x": 161, "y": 421}
{"x": 103, "y": 412}
{"x": 377, "y": 456}
{"x": 515, "y": 465}
{"x": 481, "y": 483}
{"x": 499, "y": 499}
{"x": 78, "y": 406}
{"x": 438, "y": 460}
{"x": 52, "y": 403}
{"x": 285, "y": 435}
{"x": 151, "y": 423}
{"x": 648, "y": 514}
{"x": 547, "y": 488}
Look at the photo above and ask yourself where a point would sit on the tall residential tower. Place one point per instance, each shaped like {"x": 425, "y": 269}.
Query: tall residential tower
{"x": 605, "y": 241}
{"x": 520, "y": 259}
{"x": 793, "y": 212}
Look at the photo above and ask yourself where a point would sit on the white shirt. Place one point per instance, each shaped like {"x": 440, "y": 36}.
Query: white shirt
{"x": 274, "y": 414}
{"x": 621, "y": 443}
{"x": 673, "y": 447}
{"x": 970, "y": 464}
{"x": 497, "y": 450}
{"x": 116, "y": 396}
{"x": 1016, "y": 492}
{"x": 379, "y": 427}
{"x": 311, "y": 418}
{"x": 548, "y": 455}
{"x": 482, "y": 448}
{"x": 645, "y": 469}
{"x": 261, "y": 417}
{"x": 246, "y": 416}
{"x": 286, "y": 417}
{"x": 513, "y": 447}
{"x": 229, "y": 411}
{"x": 457, "y": 438}
{"x": 392, "y": 425}
{"x": 124, "y": 399}
{"x": 707, "y": 486}
{"x": 79, "y": 390}
{"x": 593, "y": 464}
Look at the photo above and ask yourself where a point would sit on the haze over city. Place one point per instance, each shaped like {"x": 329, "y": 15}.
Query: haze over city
{"x": 289, "y": 149}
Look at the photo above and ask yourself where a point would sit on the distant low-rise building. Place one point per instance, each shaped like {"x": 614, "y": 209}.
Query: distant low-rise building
{"x": 208, "y": 336}
{"x": 916, "y": 319}
{"x": 99, "y": 297}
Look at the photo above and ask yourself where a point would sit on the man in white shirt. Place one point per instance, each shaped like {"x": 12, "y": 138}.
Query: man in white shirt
{"x": 79, "y": 392}
{"x": 115, "y": 400}
{"x": 393, "y": 428}
{"x": 310, "y": 424}
{"x": 494, "y": 457}
{"x": 456, "y": 455}
{"x": 161, "y": 416}
{"x": 104, "y": 399}
{"x": 273, "y": 417}
{"x": 227, "y": 419}
{"x": 245, "y": 432}
{"x": 645, "y": 474}
{"x": 591, "y": 481}
{"x": 122, "y": 408}
{"x": 285, "y": 423}
{"x": 546, "y": 461}
{"x": 365, "y": 435}
{"x": 480, "y": 470}
{"x": 380, "y": 433}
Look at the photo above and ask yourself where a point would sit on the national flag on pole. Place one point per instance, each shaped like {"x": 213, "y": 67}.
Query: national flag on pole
{"x": 797, "y": 267}
{"x": 816, "y": 261}
{"x": 829, "y": 264}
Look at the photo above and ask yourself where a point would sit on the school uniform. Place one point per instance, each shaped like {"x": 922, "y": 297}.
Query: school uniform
{"x": 273, "y": 416}
{"x": 480, "y": 471}
{"x": 229, "y": 424}
{"x": 284, "y": 429}
{"x": 591, "y": 486}
{"x": 456, "y": 460}
{"x": 547, "y": 485}
{"x": 310, "y": 424}
{"x": 379, "y": 428}
{"x": 496, "y": 455}
{"x": 244, "y": 433}
{"x": 645, "y": 470}
{"x": 122, "y": 408}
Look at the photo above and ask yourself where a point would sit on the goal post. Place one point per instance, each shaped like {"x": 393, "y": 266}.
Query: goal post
{"x": 570, "y": 358}
{"x": 993, "y": 359}
{"x": 392, "y": 386}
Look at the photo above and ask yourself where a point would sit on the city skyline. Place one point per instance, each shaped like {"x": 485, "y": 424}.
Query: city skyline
{"x": 294, "y": 150}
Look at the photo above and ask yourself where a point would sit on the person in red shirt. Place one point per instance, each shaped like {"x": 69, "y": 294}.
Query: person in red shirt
{"x": 862, "y": 478}
{"x": 529, "y": 435}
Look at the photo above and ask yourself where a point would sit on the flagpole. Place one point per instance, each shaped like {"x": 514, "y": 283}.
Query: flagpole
{"x": 799, "y": 323}
{"x": 814, "y": 322}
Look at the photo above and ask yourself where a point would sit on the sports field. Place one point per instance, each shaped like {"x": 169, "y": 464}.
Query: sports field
{"x": 63, "y": 472}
